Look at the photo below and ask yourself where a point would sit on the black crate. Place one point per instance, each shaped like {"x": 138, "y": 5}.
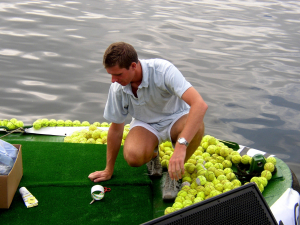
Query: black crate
{"x": 243, "y": 205}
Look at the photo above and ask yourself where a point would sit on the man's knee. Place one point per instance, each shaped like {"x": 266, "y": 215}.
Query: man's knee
{"x": 138, "y": 147}
{"x": 133, "y": 159}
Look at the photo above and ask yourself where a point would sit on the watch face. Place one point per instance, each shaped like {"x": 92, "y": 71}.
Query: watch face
{"x": 183, "y": 141}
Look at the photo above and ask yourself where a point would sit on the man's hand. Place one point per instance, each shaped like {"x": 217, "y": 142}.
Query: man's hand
{"x": 100, "y": 176}
{"x": 176, "y": 163}
{"x": 114, "y": 138}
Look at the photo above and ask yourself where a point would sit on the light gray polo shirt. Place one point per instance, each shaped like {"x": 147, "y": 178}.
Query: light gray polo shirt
{"x": 159, "y": 96}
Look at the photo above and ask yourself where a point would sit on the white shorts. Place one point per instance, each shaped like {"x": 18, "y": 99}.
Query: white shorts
{"x": 164, "y": 134}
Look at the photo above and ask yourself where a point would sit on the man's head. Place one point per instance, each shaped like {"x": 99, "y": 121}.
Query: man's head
{"x": 121, "y": 54}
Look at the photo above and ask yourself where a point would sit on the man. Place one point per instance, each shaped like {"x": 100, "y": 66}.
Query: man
{"x": 163, "y": 105}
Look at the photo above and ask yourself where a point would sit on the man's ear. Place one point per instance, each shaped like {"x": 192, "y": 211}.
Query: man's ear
{"x": 133, "y": 65}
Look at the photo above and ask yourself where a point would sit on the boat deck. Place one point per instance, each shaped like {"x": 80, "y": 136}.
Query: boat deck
{"x": 280, "y": 182}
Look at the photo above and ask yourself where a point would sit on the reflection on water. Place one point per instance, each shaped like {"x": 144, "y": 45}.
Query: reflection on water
{"x": 242, "y": 56}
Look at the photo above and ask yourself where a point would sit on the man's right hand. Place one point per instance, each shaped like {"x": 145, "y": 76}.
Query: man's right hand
{"x": 100, "y": 176}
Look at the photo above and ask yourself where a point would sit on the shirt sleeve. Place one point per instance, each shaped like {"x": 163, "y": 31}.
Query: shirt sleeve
{"x": 175, "y": 82}
{"x": 115, "y": 110}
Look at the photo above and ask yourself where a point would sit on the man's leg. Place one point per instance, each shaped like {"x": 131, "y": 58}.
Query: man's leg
{"x": 194, "y": 144}
{"x": 139, "y": 146}
{"x": 171, "y": 187}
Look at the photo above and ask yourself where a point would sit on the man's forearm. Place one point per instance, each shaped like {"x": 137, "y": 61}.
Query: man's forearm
{"x": 196, "y": 114}
{"x": 114, "y": 139}
{"x": 194, "y": 121}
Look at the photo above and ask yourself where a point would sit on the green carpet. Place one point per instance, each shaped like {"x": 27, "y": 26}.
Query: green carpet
{"x": 56, "y": 174}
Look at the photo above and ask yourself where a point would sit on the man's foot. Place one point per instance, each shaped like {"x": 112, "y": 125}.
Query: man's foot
{"x": 154, "y": 167}
{"x": 171, "y": 188}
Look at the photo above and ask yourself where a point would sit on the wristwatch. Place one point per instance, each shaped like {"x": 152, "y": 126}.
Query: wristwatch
{"x": 182, "y": 141}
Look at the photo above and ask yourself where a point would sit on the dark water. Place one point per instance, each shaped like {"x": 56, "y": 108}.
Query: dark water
{"x": 242, "y": 56}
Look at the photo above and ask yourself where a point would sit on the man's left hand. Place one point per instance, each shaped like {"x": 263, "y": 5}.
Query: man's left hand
{"x": 176, "y": 163}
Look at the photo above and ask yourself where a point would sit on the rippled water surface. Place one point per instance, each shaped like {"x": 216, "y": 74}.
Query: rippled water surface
{"x": 242, "y": 56}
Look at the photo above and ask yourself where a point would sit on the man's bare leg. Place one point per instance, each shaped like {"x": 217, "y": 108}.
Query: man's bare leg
{"x": 194, "y": 144}
{"x": 139, "y": 146}
{"x": 171, "y": 187}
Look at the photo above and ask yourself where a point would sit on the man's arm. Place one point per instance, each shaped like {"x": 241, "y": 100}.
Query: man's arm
{"x": 191, "y": 127}
{"x": 114, "y": 139}
{"x": 196, "y": 114}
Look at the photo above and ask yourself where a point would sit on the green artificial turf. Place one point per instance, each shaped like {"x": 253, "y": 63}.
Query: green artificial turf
{"x": 67, "y": 164}
{"x": 57, "y": 175}
{"x": 70, "y": 205}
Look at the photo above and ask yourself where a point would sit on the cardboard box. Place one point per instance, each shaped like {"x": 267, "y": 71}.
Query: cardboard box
{"x": 10, "y": 183}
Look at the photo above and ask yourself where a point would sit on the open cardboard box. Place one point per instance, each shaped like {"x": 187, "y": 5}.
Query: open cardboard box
{"x": 9, "y": 183}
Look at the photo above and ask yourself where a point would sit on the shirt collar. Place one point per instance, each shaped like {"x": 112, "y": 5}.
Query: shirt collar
{"x": 145, "y": 80}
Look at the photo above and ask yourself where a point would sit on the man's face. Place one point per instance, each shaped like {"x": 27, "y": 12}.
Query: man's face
{"x": 121, "y": 75}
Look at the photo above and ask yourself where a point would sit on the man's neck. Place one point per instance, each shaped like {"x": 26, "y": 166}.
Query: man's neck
{"x": 138, "y": 77}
